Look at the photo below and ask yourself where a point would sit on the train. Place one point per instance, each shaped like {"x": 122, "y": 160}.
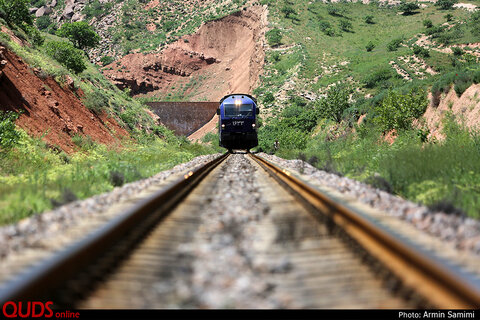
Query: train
{"x": 238, "y": 121}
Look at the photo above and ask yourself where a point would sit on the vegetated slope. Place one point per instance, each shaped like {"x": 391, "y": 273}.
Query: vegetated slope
{"x": 49, "y": 109}
{"x": 223, "y": 56}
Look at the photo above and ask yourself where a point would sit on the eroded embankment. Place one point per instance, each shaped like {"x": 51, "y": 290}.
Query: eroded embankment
{"x": 49, "y": 110}
{"x": 223, "y": 56}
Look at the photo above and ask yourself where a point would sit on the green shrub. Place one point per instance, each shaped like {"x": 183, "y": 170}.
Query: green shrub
{"x": 369, "y": 20}
{"x": 43, "y": 22}
{"x": 97, "y": 9}
{"x": 107, "y": 60}
{"x": 457, "y": 51}
{"x": 448, "y": 17}
{"x": 476, "y": 76}
{"x": 370, "y": 46}
{"x": 274, "y": 37}
{"x": 334, "y": 10}
{"x": 394, "y": 44}
{"x": 474, "y": 23}
{"x": 445, "y": 4}
{"x": 346, "y": 25}
{"x": 65, "y": 53}
{"x": 9, "y": 136}
{"x": 427, "y": 23}
{"x": 397, "y": 111}
{"x": 288, "y": 11}
{"x": 268, "y": 98}
{"x": 95, "y": 100}
{"x": 377, "y": 77}
{"x": 326, "y": 28}
{"x": 420, "y": 51}
{"x": 15, "y": 12}
{"x": 82, "y": 35}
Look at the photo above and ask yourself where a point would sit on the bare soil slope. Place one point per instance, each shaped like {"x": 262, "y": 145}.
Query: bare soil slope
{"x": 48, "y": 109}
{"x": 465, "y": 108}
{"x": 223, "y": 56}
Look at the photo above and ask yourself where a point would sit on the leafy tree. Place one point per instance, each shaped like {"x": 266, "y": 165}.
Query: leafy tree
{"x": 15, "y": 12}
{"x": 65, "y": 53}
{"x": 335, "y": 104}
{"x": 369, "y": 20}
{"x": 397, "y": 111}
{"x": 445, "y": 4}
{"x": 274, "y": 37}
{"x": 82, "y": 35}
{"x": 9, "y": 135}
{"x": 408, "y": 8}
{"x": 370, "y": 46}
{"x": 448, "y": 17}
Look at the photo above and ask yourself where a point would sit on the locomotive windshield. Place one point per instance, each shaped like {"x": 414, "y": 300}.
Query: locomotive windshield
{"x": 238, "y": 110}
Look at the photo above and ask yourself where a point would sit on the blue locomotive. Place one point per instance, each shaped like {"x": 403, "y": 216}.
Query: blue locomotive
{"x": 237, "y": 121}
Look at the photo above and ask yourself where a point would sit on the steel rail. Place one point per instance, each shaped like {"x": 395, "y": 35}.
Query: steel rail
{"x": 440, "y": 283}
{"x": 43, "y": 279}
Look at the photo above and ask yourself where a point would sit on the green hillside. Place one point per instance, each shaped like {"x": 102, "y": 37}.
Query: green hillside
{"x": 330, "y": 63}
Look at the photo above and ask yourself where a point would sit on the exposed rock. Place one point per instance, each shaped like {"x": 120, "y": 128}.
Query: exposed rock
{"x": 43, "y": 11}
{"x": 53, "y": 4}
{"x": 32, "y": 10}
{"x": 78, "y": 16}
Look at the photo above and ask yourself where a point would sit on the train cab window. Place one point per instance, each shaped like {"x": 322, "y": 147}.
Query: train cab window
{"x": 238, "y": 110}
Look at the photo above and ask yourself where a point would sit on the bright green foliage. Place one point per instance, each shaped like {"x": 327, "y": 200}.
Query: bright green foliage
{"x": 445, "y": 4}
{"x": 9, "y": 135}
{"x": 15, "y": 12}
{"x": 82, "y": 35}
{"x": 397, "y": 111}
{"x": 334, "y": 105}
{"x": 274, "y": 37}
{"x": 65, "y": 53}
{"x": 34, "y": 179}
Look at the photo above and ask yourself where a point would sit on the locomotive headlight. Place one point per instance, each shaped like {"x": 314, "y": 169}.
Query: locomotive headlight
{"x": 223, "y": 126}
{"x": 253, "y": 125}
{"x": 238, "y": 102}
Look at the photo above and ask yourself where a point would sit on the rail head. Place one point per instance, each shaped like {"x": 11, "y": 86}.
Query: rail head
{"x": 440, "y": 282}
{"x": 45, "y": 277}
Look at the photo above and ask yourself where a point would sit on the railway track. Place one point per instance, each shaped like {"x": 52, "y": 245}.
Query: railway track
{"x": 240, "y": 232}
